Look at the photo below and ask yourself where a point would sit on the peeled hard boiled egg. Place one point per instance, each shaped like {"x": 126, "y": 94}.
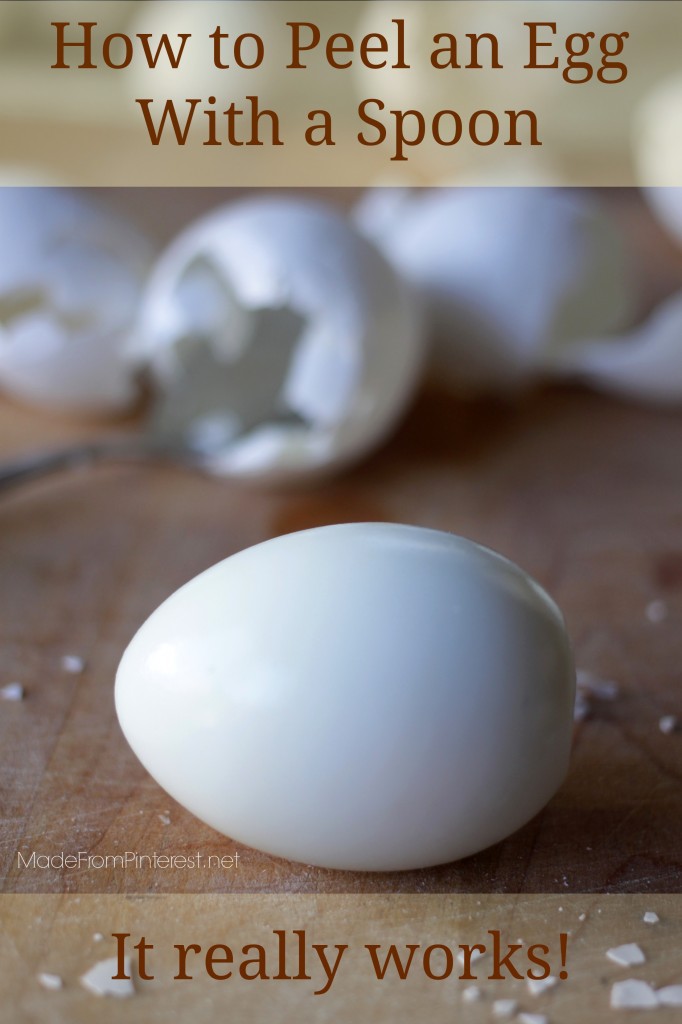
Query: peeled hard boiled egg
{"x": 365, "y": 696}
{"x": 315, "y": 336}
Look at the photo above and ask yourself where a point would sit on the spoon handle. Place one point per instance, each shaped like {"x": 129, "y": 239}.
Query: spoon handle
{"x": 74, "y": 457}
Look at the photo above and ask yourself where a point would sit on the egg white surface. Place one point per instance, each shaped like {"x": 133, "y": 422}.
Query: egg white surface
{"x": 363, "y": 696}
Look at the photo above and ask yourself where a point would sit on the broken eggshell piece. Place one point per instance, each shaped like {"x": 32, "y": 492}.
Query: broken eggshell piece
{"x": 315, "y": 338}
{"x": 366, "y": 696}
{"x": 644, "y": 364}
{"x": 510, "y": 277}
{"x": 71, "y": 275}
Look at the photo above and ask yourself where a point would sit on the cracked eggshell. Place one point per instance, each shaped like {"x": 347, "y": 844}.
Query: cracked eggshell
{"x": 366, "y": 696}
{"x": 358, "y": 353}
{"x": 71, "y": 276}
{"x": 644, "y": 364}
{"x": 509, "y": 277}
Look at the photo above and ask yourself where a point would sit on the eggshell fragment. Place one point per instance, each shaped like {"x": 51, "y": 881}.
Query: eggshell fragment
{"x": 510, "y": 277}
{"x": 73, "y": 664}
{"x": 536, "y": 986}
{"x": 645, "y": 364}
{"x": 12, "y": 691}
{"x": 633, "y": 995}
{"x": 505, "y": 1007}
{"x": 671, "y": 995}
{"x": 471, "y": 994}
{"x": 627, "y": 955}
{"x": 101, "y": 979}
{"x": 71, "y": 275}
{"x": 668, "y": 724}
{"x": 365, "y": 696}
{"x": 255, "y": 277}
{"x": 51, "y": 982}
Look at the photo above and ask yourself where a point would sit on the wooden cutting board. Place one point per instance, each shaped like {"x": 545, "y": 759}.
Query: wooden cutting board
{"x": 66, "y": 936}
{"x": 581, "y": 491}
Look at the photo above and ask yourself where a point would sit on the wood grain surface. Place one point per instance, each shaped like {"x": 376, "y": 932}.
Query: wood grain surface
{"x": 583, "y": 491}
{"x": 66, "y": 936}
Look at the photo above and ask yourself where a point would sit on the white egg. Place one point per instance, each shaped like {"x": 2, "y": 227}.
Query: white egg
{"x": 71, "y": 276}
{"x": 510, "y": 277}
{"x": 320, "y": 338}
{"x": 364, "y": 696}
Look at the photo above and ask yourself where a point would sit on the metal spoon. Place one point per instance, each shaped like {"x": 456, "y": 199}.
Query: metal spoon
{"x": 209, "y": 404}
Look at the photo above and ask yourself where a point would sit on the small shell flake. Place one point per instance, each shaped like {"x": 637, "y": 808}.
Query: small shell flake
{"x": 100, "y": 979}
